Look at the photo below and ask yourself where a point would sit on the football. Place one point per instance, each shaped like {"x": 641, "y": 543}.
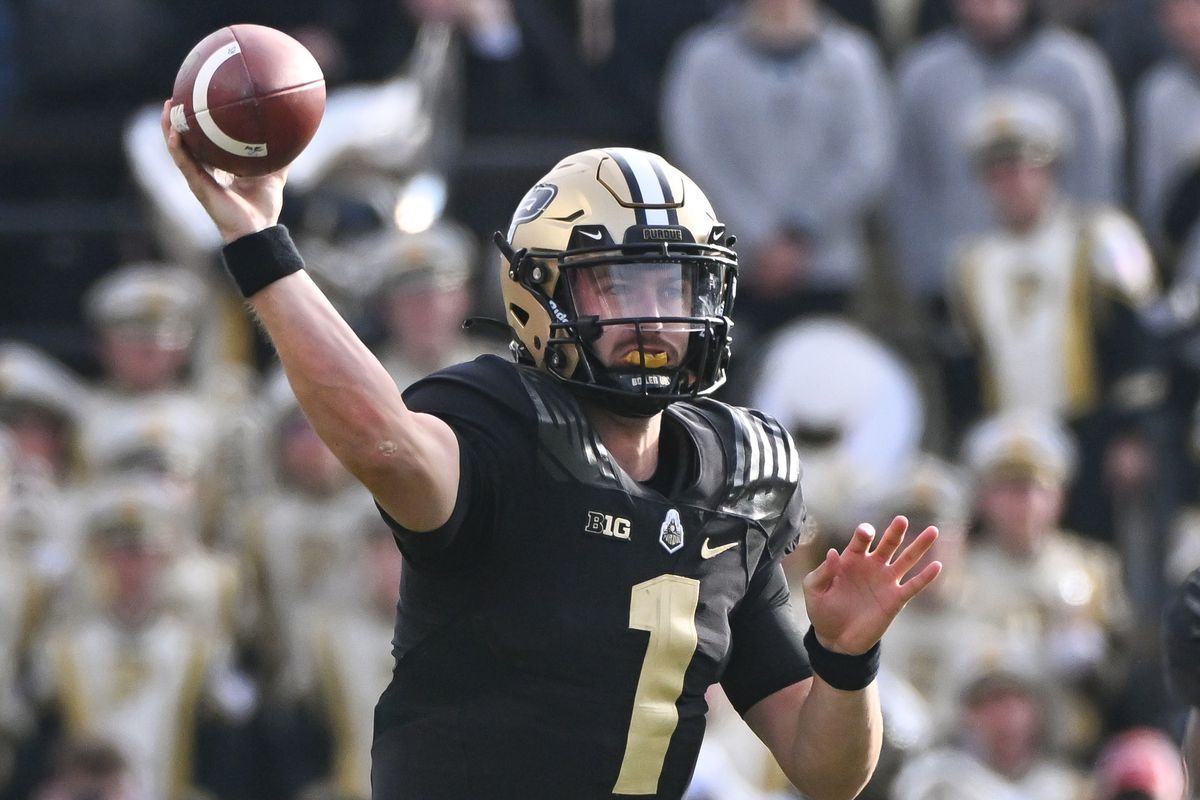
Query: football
{"x": 248, "y": 99}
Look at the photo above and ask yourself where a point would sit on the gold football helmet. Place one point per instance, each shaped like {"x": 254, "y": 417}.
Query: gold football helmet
{"x": 618, "y": 280}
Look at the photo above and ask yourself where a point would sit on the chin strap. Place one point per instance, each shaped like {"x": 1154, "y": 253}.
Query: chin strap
{"x": 487, "y": 323}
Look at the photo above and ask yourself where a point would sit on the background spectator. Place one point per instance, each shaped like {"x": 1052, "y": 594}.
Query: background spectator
{"x": 1003, "y": 749}
{"x": 995, "y": 44}
{"x": 1054, "y": 302}
{"x": 1059, "y": 599}
{"x": 786, "y": 113}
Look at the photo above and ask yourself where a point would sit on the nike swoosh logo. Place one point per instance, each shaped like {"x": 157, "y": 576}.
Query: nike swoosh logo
{"x": 597, "y": 236}
{"x": 709, "y": 552}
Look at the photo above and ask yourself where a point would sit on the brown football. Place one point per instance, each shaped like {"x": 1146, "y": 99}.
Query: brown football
{"x": 248, "y": 99}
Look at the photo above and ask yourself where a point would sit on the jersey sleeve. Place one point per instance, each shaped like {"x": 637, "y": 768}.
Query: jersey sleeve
{"x": 791, "y": 529}
{"x": 484, "y": 405}
{"x": 764, "y": 475}
{"x": 768, "y": 646}
{"x": 452, "y": 544}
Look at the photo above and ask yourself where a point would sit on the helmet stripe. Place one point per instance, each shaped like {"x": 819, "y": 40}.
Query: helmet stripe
{"x": 635, "y": 191}
{"x": 668, "y": 196}
{"x": 645, "y": 184}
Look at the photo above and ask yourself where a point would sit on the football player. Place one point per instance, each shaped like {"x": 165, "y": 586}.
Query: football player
{"x": 589, "y": 542}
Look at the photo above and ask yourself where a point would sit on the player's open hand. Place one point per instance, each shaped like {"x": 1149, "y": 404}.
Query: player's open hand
{"x": 238, "y": 206}
{"x": 854, "y": 595}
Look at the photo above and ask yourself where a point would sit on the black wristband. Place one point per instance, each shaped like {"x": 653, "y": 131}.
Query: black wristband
{"x": 257, "y": 260}
{"x": 839, "y": 670}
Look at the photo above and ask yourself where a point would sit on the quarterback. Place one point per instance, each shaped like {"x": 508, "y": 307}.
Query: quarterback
{"x": 589, "y": 541}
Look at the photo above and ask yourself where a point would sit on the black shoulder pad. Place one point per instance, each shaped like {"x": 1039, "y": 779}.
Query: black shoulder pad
{"x": 762, "y": 470}
{"x": 488, "y": 379}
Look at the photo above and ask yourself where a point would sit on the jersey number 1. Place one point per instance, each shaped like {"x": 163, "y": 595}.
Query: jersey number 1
{"x": 666, "y": 607}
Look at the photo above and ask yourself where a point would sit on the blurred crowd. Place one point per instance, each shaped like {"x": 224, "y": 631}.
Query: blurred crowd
{"x": 969, "y": 287}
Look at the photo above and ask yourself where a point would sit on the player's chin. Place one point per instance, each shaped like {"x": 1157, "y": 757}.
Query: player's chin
{"x": 663, "y": 347}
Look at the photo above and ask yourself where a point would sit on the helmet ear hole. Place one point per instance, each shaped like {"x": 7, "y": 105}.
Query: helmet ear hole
{"x": 537, "y": 343}
{"x": 521, "y": 314}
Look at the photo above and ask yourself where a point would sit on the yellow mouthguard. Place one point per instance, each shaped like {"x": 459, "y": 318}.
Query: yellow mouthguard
{"x": 652, "y": 360}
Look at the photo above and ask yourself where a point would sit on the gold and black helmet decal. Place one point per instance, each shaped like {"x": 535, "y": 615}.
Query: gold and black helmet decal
{"x": 535, "y": 201}
{"x": 650, "y": 192}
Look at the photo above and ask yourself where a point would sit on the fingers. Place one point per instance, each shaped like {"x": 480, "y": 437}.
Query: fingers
{"x": 888, "y": 543}
{"x": 821, "y": 578}
{"x": 915, "y": 551}
{"x": 891, "y": 540}
{"x": 197, "y": 177}
{"x": 862, "y": 538}
{"x": 179, "y": 153}
{"x": 913, "y": 586}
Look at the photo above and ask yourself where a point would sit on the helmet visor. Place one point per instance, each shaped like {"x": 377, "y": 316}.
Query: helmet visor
{"x": 675, "y": 292}
{"x": 645, "y": 314}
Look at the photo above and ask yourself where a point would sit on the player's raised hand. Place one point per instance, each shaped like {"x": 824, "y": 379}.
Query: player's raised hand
{"x": 854, "y": 595}
{"x": 238, "y": 206}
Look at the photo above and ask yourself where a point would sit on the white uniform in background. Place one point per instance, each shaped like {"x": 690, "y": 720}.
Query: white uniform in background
{"x": 22, "y": 601}
{"x": 853, "y": 407}
{"x": 420, "y": 283}
{"x": 32, "y": 380}
{"x": 353, "y": 665}
{"x": 349, "y": 650}
{"x": 38, "y": 512}
{"x": 39, "y": 526}
{"x": 1066, "y": 598}
{"x": 928, "y": 646}
{"x": 137, "y": 678}
{"x": 299, "y": 548}
{"x": 971, "y": 763}
{"x": 953, "y": 774}
{"x": 1029, "y": 303}
{"x": 162, "y": 446}
{"x": 164, "y": 307}
{"x": 139, "y": 688}
{"x": 930, "y": 651}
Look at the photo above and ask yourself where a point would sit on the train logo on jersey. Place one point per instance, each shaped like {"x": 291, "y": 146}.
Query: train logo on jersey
{"x": 670, "y": 536}
{"x": 607, "y": 525}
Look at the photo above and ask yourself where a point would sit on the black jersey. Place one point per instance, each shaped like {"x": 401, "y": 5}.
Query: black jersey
{"x": 556, "y": 637}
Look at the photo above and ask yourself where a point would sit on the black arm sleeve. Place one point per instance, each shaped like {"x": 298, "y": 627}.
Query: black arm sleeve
{"x": 768, "y": 646}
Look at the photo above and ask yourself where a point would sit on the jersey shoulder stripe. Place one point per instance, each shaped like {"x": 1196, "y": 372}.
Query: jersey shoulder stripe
{"x": 762, "y": 464}
{"x": 567, "y": 442}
